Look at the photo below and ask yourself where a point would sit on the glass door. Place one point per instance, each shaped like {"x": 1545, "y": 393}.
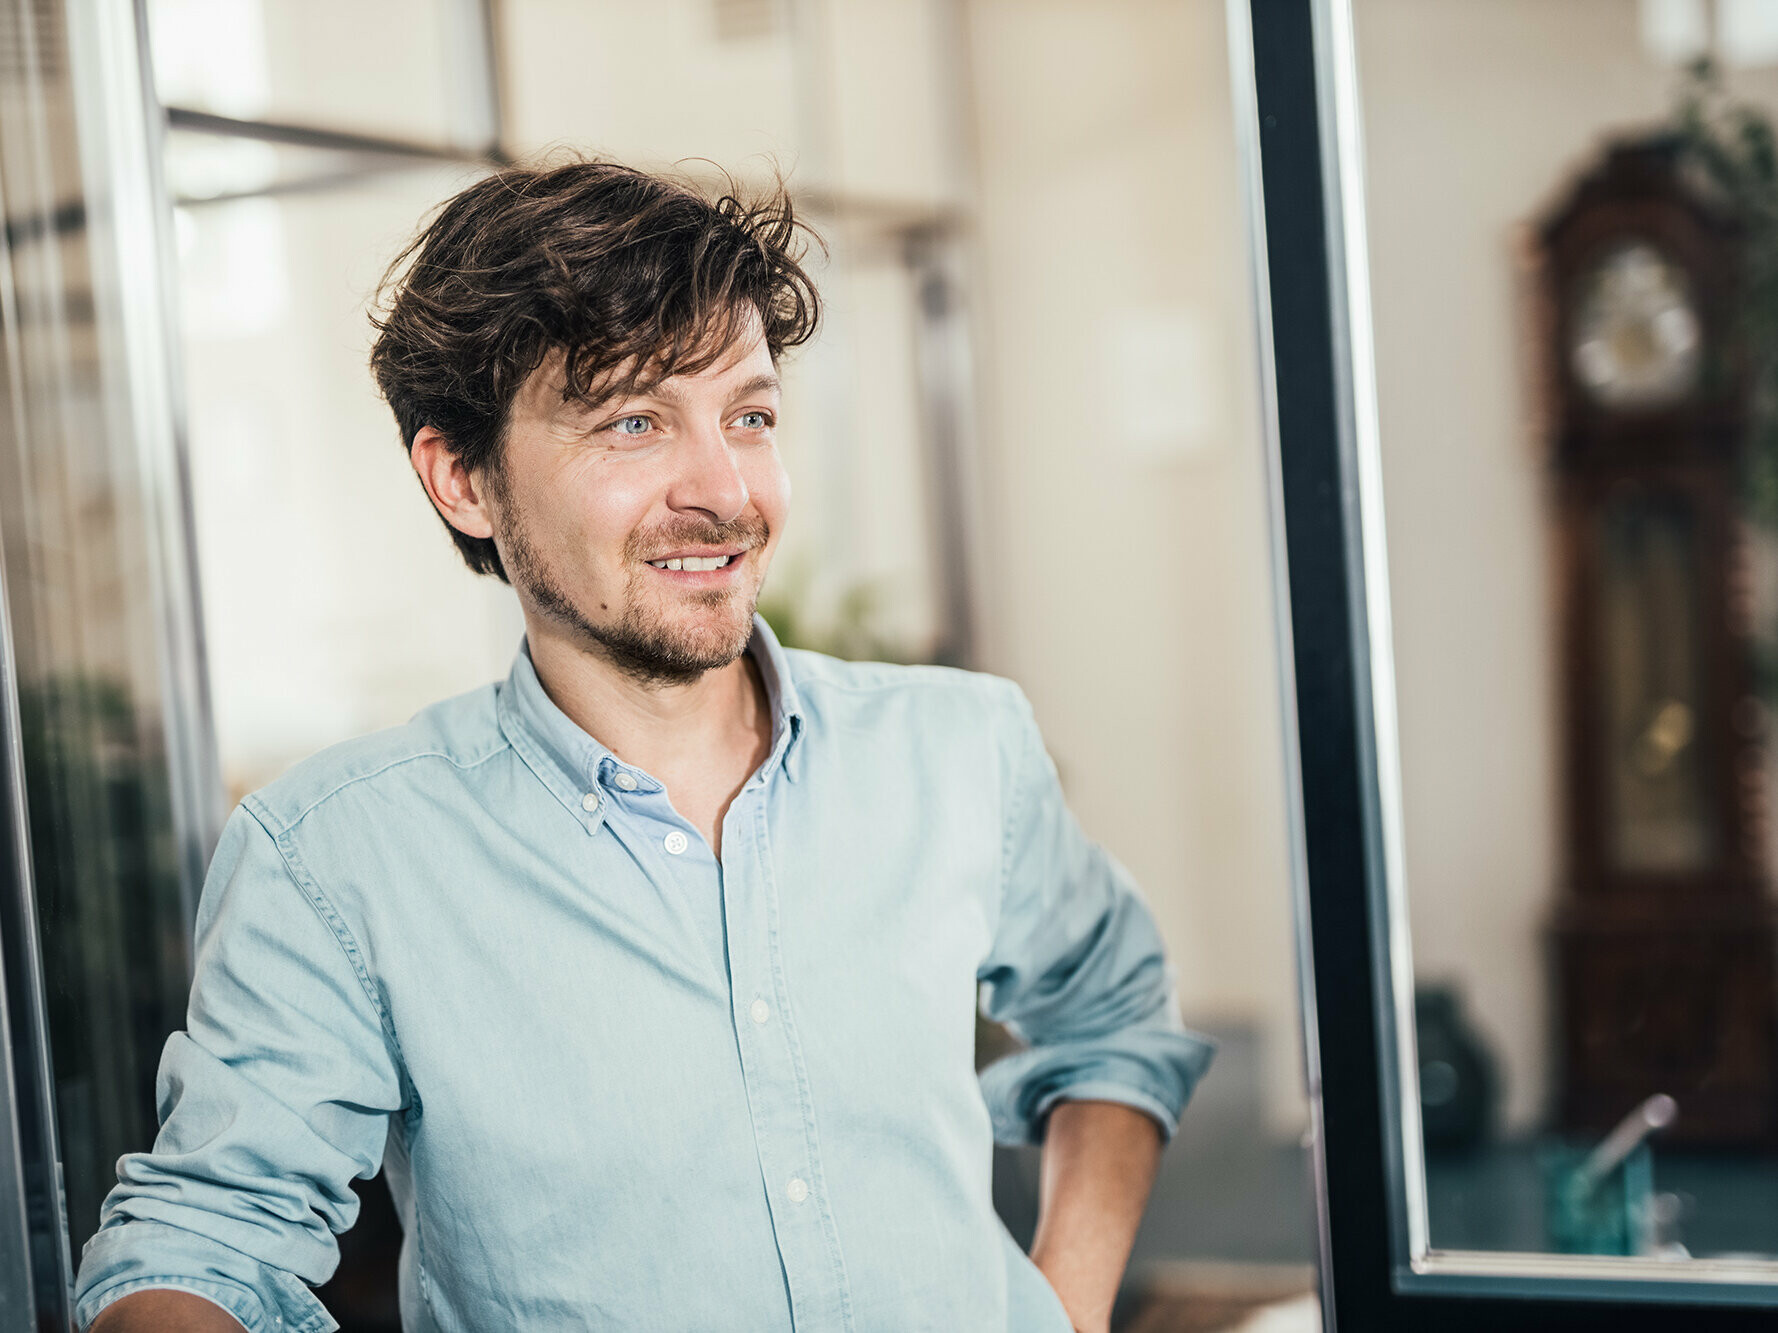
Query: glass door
{"x": 108, "y": 795}
{"x": 1511, "y": 266}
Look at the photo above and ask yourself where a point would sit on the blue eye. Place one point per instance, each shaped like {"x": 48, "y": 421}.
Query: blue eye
{"x": 631, "y": 425}
{"x": 754, "y": 421}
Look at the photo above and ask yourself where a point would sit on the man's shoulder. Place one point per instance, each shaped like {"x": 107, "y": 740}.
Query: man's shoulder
{"x": 838, "y": 689}
{"x": 459, "y": 732}
{"x": 812, "y": 670}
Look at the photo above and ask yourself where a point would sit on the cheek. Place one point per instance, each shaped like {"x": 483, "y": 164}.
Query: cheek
{"x": 611, "y": 505}
{"x": 769, "y": 485}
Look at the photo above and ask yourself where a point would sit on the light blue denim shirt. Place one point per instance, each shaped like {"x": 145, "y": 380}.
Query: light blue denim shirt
{"x": 617, "y": 1083}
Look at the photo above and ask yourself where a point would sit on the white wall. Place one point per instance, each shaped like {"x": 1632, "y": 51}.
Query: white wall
{"x": 334, "y": 600}
{"x": 1130, "y": 593}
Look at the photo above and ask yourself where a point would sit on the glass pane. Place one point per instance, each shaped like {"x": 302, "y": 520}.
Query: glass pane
{"x": 87, "y": 618}
{"x": 1575, "y": 423}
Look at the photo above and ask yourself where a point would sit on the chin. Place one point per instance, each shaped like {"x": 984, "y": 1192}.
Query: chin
{"x": 711, "y": 639}
{"x": 695, "y": 638}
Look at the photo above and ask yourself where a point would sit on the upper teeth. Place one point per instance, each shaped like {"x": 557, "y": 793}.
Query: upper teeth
{"x": 692, "y": 562}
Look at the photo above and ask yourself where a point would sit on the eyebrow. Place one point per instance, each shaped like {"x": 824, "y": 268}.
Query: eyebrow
{"x": 758, "y": 384}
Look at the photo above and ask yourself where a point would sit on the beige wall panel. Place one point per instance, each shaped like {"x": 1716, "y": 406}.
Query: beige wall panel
{"x": 1129, "y": 585}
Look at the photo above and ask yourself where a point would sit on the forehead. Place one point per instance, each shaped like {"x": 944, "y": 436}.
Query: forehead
{"x": 740, "y": 367}
{"x": 546, "y": 390}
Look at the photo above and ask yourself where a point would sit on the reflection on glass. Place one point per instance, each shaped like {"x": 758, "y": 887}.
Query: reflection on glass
{"x": 1658, "y": 794}
{"x": 85, "y": 619}
{"x": 1554, "y": 297}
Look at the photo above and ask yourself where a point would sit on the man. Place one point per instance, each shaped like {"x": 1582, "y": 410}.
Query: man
{"x": 649, "y": 975}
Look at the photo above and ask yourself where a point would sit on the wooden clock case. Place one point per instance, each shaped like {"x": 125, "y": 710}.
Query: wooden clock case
{"x": 1664, "y": 976}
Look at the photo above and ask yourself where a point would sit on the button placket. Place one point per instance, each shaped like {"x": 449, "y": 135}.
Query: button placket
{"x": 776, "y": 1082}
{"x": 768, "y": 1071}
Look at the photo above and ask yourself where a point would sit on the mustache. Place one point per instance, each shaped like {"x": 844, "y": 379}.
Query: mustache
{"x": 748, "y": 531}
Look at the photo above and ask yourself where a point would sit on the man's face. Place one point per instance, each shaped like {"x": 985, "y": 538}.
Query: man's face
{"x": 593, "y": 508}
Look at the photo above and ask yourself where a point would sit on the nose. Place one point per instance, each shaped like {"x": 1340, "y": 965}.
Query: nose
{"x": 709, "y": 477}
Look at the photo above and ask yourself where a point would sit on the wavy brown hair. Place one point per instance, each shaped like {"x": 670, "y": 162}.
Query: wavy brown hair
{"x": 634, "y": 277}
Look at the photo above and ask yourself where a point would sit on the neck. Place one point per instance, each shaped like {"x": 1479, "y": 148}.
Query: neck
{"x": 660, "y": 728}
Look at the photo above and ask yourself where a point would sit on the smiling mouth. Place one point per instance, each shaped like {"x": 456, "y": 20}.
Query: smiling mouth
{"x": 696, "y": 563}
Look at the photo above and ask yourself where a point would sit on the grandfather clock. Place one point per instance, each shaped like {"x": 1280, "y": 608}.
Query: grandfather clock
{"x": 1664, "y": 932}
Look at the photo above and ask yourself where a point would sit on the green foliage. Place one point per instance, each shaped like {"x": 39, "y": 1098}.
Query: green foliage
{"x": 849, "y": 633}
{"x": 1732, "y": 147}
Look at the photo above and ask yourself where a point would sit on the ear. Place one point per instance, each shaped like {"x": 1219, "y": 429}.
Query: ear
{"x": 453, "y": 490}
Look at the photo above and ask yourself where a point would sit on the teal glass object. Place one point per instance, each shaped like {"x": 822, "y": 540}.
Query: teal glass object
{"x": 1608, "y": 1214}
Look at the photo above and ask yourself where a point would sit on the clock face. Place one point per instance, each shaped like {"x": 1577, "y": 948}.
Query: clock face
{"x": 1636, "y": 341}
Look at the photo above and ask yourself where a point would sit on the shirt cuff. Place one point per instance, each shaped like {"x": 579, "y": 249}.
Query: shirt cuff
{"x": 1154, "y": 1071}
{"x": 242, "y": 1304}
{"x": 144, "y": 1254}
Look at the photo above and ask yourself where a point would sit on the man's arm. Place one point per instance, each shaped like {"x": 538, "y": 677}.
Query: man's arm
{"x": 278, "y": 1093}
{"x": 1099, "y": 1163}
{"x": 164, "y": 1311}
{"x": 1078, "y": 972}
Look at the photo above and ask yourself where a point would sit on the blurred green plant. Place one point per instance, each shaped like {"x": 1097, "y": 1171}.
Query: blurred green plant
{"x": 850, "y": 632}
{"x": 1733, "y": 147}
{"x": 111, "y": 926}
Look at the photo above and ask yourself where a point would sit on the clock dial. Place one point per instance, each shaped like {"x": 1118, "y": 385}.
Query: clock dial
{"x": 1636, "y": 340}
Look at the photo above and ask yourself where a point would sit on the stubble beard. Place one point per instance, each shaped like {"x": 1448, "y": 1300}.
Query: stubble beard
{"x": 642, "y": 642}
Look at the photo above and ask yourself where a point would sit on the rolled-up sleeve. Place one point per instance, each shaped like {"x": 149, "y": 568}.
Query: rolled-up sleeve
{"x": 276, "y": 1096}
{"x": 1077, "y": 969}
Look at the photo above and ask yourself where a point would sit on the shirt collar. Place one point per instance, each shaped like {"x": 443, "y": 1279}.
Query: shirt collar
{"x": 781, "y": 697}
{"x": 575, "y": 766}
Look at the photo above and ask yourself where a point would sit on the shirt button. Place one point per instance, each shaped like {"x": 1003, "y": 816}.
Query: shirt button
{"x": 625, "y": 782}
{"x": 590, "y": 801}
{"x": 675, "y": 842}
{"x": 797, "y": 1189}
{"x": 761, "y": 1011}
